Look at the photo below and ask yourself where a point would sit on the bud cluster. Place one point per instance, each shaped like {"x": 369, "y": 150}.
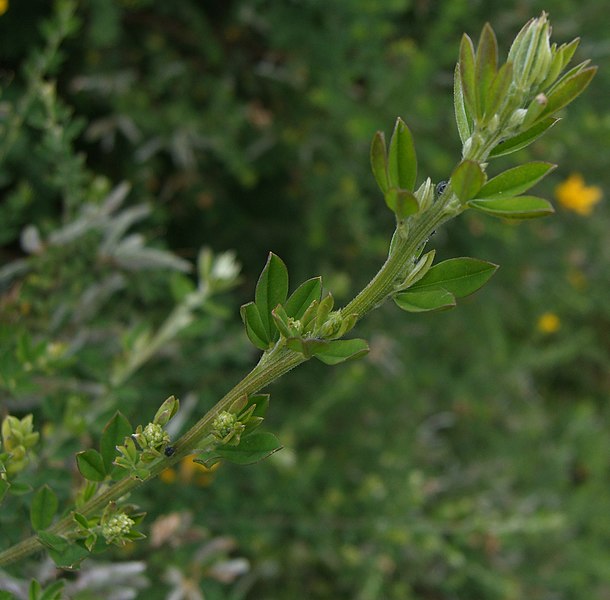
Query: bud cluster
{"x": 116, "y": 525}
{"x": 231, "y": 425}
{"x": 496, "y": 103}
{"x": 18, "y": 439}
{"x": 147, "y": 444}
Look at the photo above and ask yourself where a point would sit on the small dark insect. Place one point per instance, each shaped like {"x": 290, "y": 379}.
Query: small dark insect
{"x": 169, "y": 451}
{"x": 440, "y": 187}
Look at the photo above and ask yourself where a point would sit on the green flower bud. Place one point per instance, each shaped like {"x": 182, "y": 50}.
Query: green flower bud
{"x": 116, "y": 527}
{"x": 531, "y": 55}
{"x": 425, "y": 194}
{"x": 155, "y": 435}
{"x": 224, "y": 424}
{"x": 166, "y": 411}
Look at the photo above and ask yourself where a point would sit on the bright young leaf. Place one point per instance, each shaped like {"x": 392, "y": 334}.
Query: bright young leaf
{"x": 567, "y": 89}
{"x": 116, "y": 430}
{"x": 379, "y": 161}
{"x": 256, "y": 331}
{"x": 534, "y": 111}
{"x": 464, "y": 125}
{"x": 467, "y": 75}
{"x": 425, "y": 300}
{"x": 339, "y": 351}
{"x": 467, "y": 179}
{"x": 521, "y": 207}
{"x": 566, "y": 51}
{"x": 524, "y": 139}
{"x": 91, "y": 465}
{"x": 515, "y": 181}
{"x": 271, "y": 290}
{"x": 486, "y": 63}
{"x": 282, "y": 322}
{"x": 303, "y": 296}
{"x": 251, "y": 449}
{"x": 402, "y": 162}
{"x": 43, "y": 508}
{"x": 498, "y": 89}
{"x": 324, "y": 309}
{"x": 459, "y": 276}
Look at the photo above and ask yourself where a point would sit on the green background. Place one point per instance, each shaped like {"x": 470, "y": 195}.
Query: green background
{"x": 467, "y": 456}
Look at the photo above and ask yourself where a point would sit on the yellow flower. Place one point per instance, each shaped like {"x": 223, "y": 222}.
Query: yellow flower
{"x": 548, "y": 323}
{"x": 574, "y": 195}
{"x": 3, "y": 6}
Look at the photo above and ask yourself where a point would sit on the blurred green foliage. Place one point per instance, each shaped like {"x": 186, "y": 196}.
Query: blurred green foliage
{"x": 466, "y": 457}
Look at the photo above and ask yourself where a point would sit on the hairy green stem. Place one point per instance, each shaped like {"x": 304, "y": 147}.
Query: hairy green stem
{"x": 275, "y": 364}
{"x": 272, "y": 365}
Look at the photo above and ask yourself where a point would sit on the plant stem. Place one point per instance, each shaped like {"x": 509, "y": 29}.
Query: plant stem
{"x": 397, "y": 265}
{"x": 275, "y": 364}
{"x": 272, "y": 365}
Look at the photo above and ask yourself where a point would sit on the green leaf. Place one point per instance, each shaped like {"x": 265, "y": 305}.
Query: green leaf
{"x": 280, "y": 317}
{"x": 338, "y": 351}
{"x": 419, "y": 270}
{"x": 91, "y": 465}
{"x": 464, "y": 125}
{"x": 81, "y": 520}
{"x": 261, "y": 401}
{"x": 567, "y": 89}
{"x": 515, "y": 181}
{"x": 379, "y": 161}
{"x": 252, "y": 448}
{"x": 306, "y": 346}
{"x": 467, "y": 75}
{"x": 568, "y": 75}
{"x": 524, "y": 139}
{"x": 486, "y": 63}
{"x": 310, "y": 315}
{"x": 43, "y": 508}
{"x": 402, "y": 202}
{"x": 65, "y": 555}
{"x": 19, "y": 488}
{"x": 425, "y": 300}
{"x": 35, "y": 590}
{"x": 324, "y": 309}
{"x": 402, "y": 161}
{"x": 53, "y": 591}
{"x": 303, "y": 296}
{"x": 116, "y": 430}
{"x": 534, "y": 111}
{"x": 521, "y": 207}
{"x": 567, "y": 52}
{"x": 406, "y": 204}
{"x": 255, "y": 329}
{"x": 459, "y": 276}
{"x": 271, "y": 290}
{"x": 467, "y": 179}
{"x": 499, "y": 89}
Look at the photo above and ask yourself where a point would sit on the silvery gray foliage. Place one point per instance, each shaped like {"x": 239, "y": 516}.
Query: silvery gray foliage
{"x": 95, "y": 580}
